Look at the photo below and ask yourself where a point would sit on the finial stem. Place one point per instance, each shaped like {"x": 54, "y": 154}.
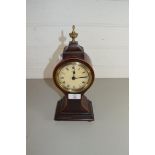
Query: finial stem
{"x": 73, "y": 27}
{"x": 73, "y": 34}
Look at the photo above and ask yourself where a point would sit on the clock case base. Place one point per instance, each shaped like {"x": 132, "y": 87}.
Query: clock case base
{"x": 74, "y": 110}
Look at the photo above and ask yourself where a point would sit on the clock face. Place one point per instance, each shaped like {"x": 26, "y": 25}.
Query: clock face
{"x": 73, "y": 77}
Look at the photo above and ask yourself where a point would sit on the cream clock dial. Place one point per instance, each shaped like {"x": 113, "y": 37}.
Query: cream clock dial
{"x": 73, "y": 77}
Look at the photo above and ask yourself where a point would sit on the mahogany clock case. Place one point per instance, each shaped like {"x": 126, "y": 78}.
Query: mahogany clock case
{"x": 69, "y": 109}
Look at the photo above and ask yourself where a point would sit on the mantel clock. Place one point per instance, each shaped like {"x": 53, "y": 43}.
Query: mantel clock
{"x": 74, "y": 75}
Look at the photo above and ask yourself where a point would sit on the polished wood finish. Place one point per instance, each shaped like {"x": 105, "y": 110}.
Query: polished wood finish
{"x": 74, "y": 109}
{"x": 73, "y": 51}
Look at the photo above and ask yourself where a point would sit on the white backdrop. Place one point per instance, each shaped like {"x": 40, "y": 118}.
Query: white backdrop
{"x": 103, "y": 32}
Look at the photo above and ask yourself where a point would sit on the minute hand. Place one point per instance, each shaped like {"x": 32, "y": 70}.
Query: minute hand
{"x": 82, "y": 77}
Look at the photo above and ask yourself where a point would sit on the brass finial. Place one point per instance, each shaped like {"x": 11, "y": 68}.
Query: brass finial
{"x": 73, "y": 34}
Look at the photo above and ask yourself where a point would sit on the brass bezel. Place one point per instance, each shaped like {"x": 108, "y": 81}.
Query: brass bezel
{"x": 70, "y": 89}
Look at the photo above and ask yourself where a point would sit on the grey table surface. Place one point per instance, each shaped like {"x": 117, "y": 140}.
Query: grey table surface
{"x": 107, "y": 135}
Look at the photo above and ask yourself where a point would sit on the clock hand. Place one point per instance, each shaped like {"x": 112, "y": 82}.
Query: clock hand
{"x": 73, "y": 73}
{"x": 82, "y": 77}
{"x": 74, "y": 70}
{"x": 73, "y": 78}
